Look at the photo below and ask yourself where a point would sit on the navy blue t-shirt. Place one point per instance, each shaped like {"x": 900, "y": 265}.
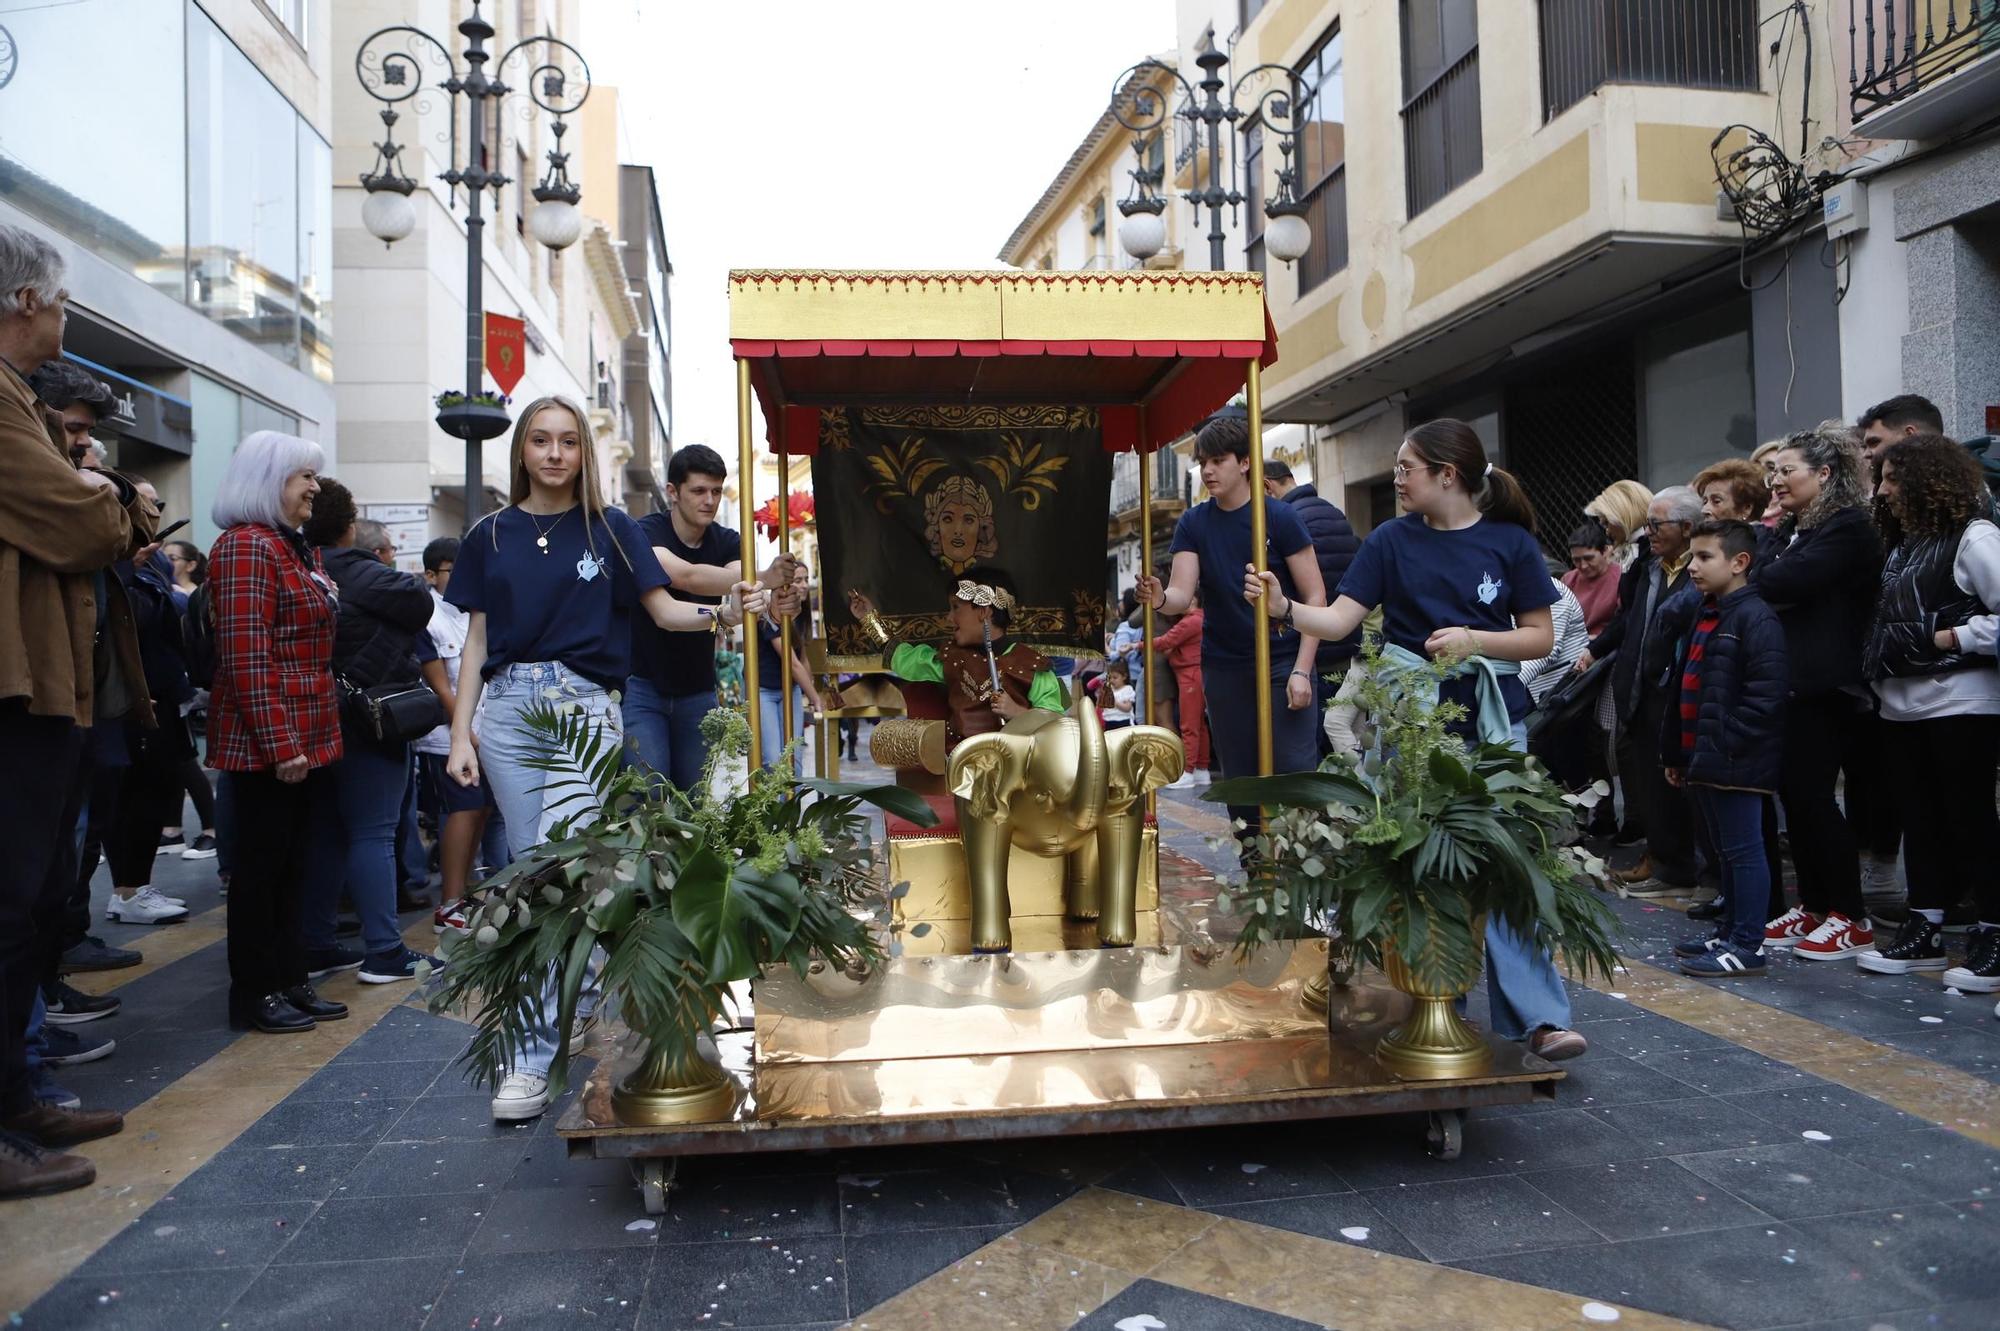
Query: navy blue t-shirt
{"x": 1425, "y": 579}
{"x": 1222, "y": 540}
{"x": 678, "y": 664}
{"x": 571, "y": 604}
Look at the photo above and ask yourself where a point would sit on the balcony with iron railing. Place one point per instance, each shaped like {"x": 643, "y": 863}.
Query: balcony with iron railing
{"x": 1169, "y": 478}
{"x": 1586, "y": 44}
{"x": 1920, "y": 68}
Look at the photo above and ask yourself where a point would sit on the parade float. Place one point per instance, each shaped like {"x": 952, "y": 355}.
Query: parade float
{"x": 1016, "y": 956}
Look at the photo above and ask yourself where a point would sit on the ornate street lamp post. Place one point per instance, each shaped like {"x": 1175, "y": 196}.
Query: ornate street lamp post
{"x": 391, "y": 64}
{"x": 1143, "y": 110}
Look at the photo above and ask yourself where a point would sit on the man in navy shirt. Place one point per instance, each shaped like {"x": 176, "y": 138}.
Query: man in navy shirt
{"x": 1334, "y": 544}
{"x": 1211, "y": 547}
{"x": 672, "y": 686}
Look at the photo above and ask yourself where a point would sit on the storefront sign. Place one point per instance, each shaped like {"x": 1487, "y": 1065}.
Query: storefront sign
{"x": 152, "y": 418}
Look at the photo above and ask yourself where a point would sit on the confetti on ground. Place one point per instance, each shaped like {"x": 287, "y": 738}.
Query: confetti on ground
{"x": 1599, "y": 1312}
{"x": 1140, "y": 1322}
{"x": 1358, "y": 1233}
{"x": 1932, "y": 1020}
{"x": 638, "y": 1225}
{"x": 1249, "y": 1168}
{"x": 1815, "y": 1135}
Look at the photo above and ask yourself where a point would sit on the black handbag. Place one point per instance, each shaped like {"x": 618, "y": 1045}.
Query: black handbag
{"x": 392, "y": 713}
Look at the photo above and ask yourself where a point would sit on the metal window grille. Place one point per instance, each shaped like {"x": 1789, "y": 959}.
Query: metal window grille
{"x": 1571, "y": 430}
{"x": 1677, "y": 43}
{"x": 1327, "y": 213}
{"x": 1442, "y": 145}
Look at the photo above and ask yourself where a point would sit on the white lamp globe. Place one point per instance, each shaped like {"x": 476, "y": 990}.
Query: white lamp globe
{"x": 556, "y": 223}
{"x": 389, "y": 216}
{"x": 1287, "y": 236}
{"x": 1142, "y": 234}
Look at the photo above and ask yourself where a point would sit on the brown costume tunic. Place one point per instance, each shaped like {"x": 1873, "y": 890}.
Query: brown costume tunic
{"x": 967, "y": 682}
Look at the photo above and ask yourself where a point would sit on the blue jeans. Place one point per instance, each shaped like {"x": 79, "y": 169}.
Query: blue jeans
{"x": 1735, "y": 819}
{"x": 413, "y": 861}
{"x": 353, "y": 843}
{"x": 664, "y": 731}
{"x": 1522, "y": 984}
{"x": 770, "y": 735}
{"x": 1231, "y": 691}
{"x": 533, "y": 801}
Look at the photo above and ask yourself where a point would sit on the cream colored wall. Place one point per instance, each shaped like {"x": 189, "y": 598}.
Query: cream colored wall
{"x": 1626, "y": 161}
{"x": 1062, "y": 227}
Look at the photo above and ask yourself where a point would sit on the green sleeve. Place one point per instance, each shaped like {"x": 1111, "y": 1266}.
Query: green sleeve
{"x": 1045, "y": 691}
{"x": 917, "y": 663}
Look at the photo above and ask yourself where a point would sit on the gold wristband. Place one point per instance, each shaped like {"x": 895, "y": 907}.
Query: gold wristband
{"x": 872, "y": 621}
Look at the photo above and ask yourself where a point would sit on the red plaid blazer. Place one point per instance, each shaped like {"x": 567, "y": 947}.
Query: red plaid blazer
{"x": 274, "y": 696}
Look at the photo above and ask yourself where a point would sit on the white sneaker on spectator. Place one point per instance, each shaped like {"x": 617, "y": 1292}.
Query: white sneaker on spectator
{"x": 145, "y": 906}
{"x": 114, "y": 898}
{"x": 1185, "y": 781}
{"x": 522, "y": 1095}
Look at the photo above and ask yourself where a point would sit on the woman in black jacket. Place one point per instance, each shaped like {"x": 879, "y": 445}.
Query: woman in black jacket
{"x": 1819, "y": 569}
{"x": 382, "y": 611}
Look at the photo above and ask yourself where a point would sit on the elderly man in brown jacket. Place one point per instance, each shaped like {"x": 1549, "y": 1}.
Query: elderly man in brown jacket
{"x": 58, "y": 527}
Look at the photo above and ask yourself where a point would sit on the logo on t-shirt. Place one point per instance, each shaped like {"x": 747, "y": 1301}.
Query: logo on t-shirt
{"x": 588, "y": 567}
{"x": 1488, "y": 589}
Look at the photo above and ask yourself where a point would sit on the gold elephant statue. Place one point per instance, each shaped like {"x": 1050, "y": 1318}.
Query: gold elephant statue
{"x": 1060, "y": 785}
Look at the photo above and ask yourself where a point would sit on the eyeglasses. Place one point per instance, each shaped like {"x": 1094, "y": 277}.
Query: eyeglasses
{"x": 1403, "y": 469}
{"x": 1791, "y": 469}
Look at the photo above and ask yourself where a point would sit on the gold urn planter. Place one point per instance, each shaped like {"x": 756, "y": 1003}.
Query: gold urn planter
{"x": 1433, "y": 1043}
{"x": 665, "y": 1090}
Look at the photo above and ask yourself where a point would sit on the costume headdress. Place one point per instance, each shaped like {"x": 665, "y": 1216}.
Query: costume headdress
{"x": 982, "y": 595}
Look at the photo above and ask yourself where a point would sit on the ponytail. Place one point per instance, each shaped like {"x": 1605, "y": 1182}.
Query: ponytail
{"x": 1452, "y": 443}
{"x": 1502, "y": 499}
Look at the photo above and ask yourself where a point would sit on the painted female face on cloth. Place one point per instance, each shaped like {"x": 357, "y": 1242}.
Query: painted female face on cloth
{"x": 958, "y": 524}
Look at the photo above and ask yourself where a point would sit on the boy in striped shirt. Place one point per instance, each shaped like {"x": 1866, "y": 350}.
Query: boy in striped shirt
{"x": 1723, "y": 744}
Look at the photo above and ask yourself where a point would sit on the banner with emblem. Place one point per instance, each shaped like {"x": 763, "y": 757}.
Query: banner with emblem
{"x": 506, "y": 350}
{"x": 911, "y": 499}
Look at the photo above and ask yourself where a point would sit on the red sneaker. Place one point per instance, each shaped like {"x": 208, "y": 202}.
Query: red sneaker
{"x": 1788, "y": 929}
{"x": 449, "y": 918}
{"x": 1837, "y": 936}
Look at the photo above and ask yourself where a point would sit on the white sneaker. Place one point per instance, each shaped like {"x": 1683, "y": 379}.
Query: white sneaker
{"x": 145, "y": 906}
{"x": 1202, "y": 776}
{"x": 1185, "y": 781}
{"x": 171, "y": 901}
{"x": 522, "y": 1095}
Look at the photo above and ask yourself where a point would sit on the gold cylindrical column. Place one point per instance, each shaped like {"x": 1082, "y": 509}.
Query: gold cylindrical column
{"x": 1147, "y": 682}
{"x": 746, "y": 500}
{"x": 1261, "y": 640}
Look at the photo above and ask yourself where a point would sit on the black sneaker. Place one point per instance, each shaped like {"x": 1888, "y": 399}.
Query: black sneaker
{"x": 1918, "y": 946}
{"x": 202, "y": 848}
{"x": 67, "y": 1006}
{"x": 389, "y": 967}
{"x": 1706, "y": 910}
{"x": 1700, "y": 946}
{"x": 94, "y": 954}
{"x": 62, "y": 1047}
{"x": 170, "y": 841}
{"x": 1981, "y": 972}
{"x": 324, "y": 961}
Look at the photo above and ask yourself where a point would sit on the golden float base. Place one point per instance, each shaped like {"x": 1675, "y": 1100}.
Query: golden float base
{"x": 941, "y": 894}
{"x": 1317, "y": 994}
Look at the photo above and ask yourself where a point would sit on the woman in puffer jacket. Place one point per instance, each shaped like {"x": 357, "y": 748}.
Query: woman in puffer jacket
{"x": 1931, "y": 659}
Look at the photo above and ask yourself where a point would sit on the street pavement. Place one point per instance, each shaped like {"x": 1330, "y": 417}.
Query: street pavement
{"x": 1812, "y": 1150}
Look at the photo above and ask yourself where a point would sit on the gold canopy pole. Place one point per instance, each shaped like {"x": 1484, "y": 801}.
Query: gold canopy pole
{"x": 784, "y": 503}
{"x": 746, "y": 499}
{"x": 1261, "y": 642}
{"x": 1147, "y": 680}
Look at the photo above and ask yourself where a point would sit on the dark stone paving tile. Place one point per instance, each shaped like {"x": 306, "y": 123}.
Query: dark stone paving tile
{"x": 367, "y": 1228}
{"x": 369, "y": 1081}
{"x": 1827, "y": 1108}
{"x": 930, "y": 1199}
{"x": 336, "y": 1296}
{"x": 1942, "y": 1163}
{"x": 1945, "y": 1253}
{"x": 108, "y": 1302}
{"x": 1981, "y": 1315}
{"x": 601, "y": 1288}
{"x": 1678, "y": 1127}
{"x": 878, "y": 1271}
{"x": 771, "y": 1207}
{"x": 1590, "y": 1005}
{"x": 1756, "y": 1276}
{"x": 1478, "y": 1217}
{"x": 548, "y": 1219}
{"x": 324, "y": 1123}
{"x": 262, "y": 1174}
{"x": 1492, "y": 1146}
{"x": 547, "y": 1165}
{"x": 1642, "y": 1199}
{"x": 1172, "y": 1306}
{"x": 1720, "y": 1071}
{"x": 1144, "y": 1178}
{"x": 177, "y": 1236}
{"x": 1612, "y": 1079}
{"x": 1963, "y": 1047}
{"x": 394, "y": 1040}
{"x": 456, "y": 1118}
{"x": 1802, "y": 1179}
{"x": 1648, "y": 1033}
{"x": 1247, "y": 1167}
{"x": 745, "y": 1284}
{"x": 392, "y": 1168}
{"x": 1343, "y": 1217}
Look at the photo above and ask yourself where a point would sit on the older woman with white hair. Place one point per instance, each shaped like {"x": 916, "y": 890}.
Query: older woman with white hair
{"x": 274, "y": 725}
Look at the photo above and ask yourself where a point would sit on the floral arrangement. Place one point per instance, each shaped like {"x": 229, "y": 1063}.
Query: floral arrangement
{"x": 798, "y": 508}
{"x": 454, "y": 398}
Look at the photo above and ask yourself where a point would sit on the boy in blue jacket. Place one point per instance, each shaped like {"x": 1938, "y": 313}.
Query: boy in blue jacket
{"x": 1723, "y": 743}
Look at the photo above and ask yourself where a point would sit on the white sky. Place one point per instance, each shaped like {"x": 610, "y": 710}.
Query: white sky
{"x": 847, "y": 134}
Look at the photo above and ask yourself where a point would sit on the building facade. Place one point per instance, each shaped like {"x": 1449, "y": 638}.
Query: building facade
{"x": 178, "y": 154}
{"x": 584, "y": 310}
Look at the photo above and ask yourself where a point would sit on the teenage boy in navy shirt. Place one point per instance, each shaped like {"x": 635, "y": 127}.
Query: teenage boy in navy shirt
{"x": 1725, "y": 741}
{"x": 1211, "y": 548}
